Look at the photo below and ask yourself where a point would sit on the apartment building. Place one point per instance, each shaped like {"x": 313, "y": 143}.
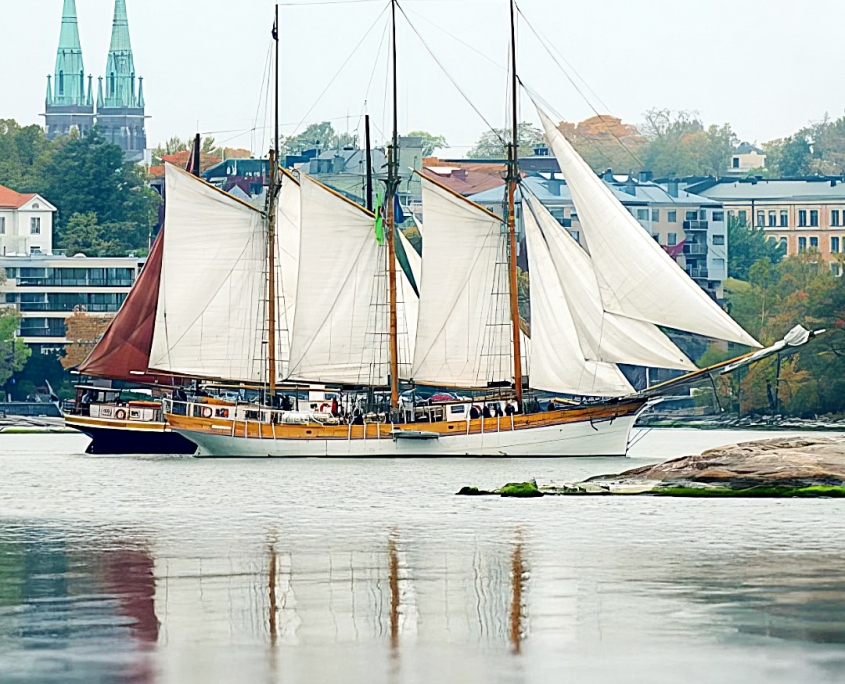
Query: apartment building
{"x": 48, "y": 288}
{"x": 26, "y": 223}
{"x": 801, "y": 213}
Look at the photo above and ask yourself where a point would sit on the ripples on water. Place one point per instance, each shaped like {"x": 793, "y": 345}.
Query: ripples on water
{"x": 172, "y": 570}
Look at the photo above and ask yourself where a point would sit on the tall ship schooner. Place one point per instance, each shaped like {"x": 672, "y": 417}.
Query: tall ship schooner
{"x": 345, "y": 316}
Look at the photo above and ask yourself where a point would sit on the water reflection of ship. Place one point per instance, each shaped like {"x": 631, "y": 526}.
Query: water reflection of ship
{"x": 395, "y": 593}
{"x": 89, "y": 596}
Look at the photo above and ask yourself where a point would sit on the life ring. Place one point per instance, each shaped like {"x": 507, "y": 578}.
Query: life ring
{"x": 222, "y": 413}
{"x": 120, "y": 414}
{"x": 324, "y": 406}
{"x": 206, "y": 412}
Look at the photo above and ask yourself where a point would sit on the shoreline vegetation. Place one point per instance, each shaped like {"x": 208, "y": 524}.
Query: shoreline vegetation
{"x": 809, "y": 466}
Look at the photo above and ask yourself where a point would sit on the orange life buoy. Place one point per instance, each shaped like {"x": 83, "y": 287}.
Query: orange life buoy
{"x": 324, "y": 406}
{"x": 120, "y": 414}
{"x": 206, "y": 412}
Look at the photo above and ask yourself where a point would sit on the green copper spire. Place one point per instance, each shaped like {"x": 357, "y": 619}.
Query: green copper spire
{"x": 120, "y": 68}
{"x": 69, "y": 85}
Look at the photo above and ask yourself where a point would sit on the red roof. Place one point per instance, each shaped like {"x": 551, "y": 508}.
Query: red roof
{"x": 465, "y": 178}
{"x": 9, "y": 199}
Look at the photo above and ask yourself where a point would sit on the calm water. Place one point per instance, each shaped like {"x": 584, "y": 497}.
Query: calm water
{"x": 175, "y": 570}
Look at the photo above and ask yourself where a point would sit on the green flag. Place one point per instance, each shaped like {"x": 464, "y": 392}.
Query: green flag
{"x": 379, "y": 220}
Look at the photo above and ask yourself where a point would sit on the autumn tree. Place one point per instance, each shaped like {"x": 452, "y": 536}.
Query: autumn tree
{"x": 606, "y": 143}
{"x": 431, "y": 142}
{"x": 493, "y": 144}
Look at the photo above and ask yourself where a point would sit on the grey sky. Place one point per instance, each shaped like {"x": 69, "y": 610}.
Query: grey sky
{"x": 766, "y": 66}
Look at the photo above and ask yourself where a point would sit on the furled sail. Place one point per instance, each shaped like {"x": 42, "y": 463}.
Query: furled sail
{"x": 464, "y": 330}
{"x": 636, "y": 277}
{"x": 123, "y": 352}
{"x": 211, "y": 314}
{"x": 558, "y": 363}
{"x": 341, "y": 326}
{"x": 603, "y": 336}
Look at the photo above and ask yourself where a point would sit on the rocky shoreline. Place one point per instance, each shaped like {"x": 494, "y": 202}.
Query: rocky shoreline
{"x": 812, "y": 466}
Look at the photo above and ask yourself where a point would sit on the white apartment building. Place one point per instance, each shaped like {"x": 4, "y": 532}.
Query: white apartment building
{"x": 26, "y": 223}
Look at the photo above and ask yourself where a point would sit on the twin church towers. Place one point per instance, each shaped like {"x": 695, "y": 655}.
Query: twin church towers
{"x": 120, "y": 95}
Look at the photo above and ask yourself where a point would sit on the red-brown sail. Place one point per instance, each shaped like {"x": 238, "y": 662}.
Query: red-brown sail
{"x": 123, "y": 353}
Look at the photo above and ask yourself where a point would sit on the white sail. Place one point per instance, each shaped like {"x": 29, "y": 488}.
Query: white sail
{"x": 464, "y": 330}
{"x": 636, "y": 277}
{"x": 558, "y": 363}
{"x": 211, "y": 315}
{"x": 287, "y": 260}
{"x": 603, "y": 336}
{"x": 341, "y": 327}
{"x": 408, "y": 306}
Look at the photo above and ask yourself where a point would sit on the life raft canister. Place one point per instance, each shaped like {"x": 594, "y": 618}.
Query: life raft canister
{"x": 120, "y": 414}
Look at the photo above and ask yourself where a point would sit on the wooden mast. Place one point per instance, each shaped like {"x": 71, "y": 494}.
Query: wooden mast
{"x": 271, "y": 231}
{"x": 513, "y": 180}
{"x": 390, "y": 200}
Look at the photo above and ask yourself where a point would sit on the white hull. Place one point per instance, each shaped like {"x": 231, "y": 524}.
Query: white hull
{"x": 583, "y": 438}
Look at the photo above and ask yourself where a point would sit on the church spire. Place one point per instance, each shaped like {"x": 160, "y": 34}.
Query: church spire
{"x": 120, "y": 68}
{"x": 69, "y": 82}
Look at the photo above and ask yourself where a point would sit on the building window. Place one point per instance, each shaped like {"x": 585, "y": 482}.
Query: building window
{"x": 61, "y": 83}
{"x": 784, "y": 219}
{"x": 718, "y": 240}
{"x": 655, "y": 215}
{"x": 802, "y": 244}
{"x": 814, "y": 218}
{"x": 691, "y": 215}
{"x": 672, "y": 239}
{"x": 702, "y": 215}
{"x": 836, "y": 269}
{"x": 834, "y": 245}
{"x": 642, "y": 214}
{"x": 743, "y": 217}
{"x": 35, "y": 225}
{"x": 761, "y": 219}
{"x": 783, "y": 244}
{"x": 718, "y": 215}
{"x": 672, "y": 216}
{"x": 573, "y": 215}
{"x": 735, "y": 162}
{"x": 814, "y": 243}
{"x": 772, "y": 219}
{"x": 576, "y": 235}
{"x": 2, "y": 225}
{"x": 35, "y": 249}
{"x": 802, "y": 218}
{"x": 834, "y": 217}
{"x": 719, "y": 264}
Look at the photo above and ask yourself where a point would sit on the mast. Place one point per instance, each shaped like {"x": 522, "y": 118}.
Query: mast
{"x": 512, "y": 180}
{"x": 369, "y": 163}
{"x": 271, "y": 231}
{"x": 390, "y": 200}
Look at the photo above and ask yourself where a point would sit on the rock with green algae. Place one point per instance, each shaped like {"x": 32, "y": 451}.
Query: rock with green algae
{"x": 521, "y": 490}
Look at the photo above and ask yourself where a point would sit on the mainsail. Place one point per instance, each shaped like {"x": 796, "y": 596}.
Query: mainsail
{"x": 635, "y": 275}
{"x": 603, "y": 336}
{"x": 341, "y": 326}
{"x": 210, "y": 319}
{"x": 287, "y": 259}
{"x": 123, "y": 352}
{"x": 558, "y": 363}
{"x": 464, "y": 329}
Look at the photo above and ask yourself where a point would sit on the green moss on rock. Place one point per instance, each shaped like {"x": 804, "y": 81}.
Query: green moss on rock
{"x": 525, "y": 490}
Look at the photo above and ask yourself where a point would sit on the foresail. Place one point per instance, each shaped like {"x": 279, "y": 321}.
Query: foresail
{"x": 558, "y": 363}
{"x": 211, "y": 301}
{"x": 636, "y": 277}
{"x": 464, "y": 330}
{"x": 602, "y": 336}
{"x": 408, "y": 306}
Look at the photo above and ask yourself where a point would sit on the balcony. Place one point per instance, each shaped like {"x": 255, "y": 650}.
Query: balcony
{"x": 42, "y": 332}
{"x": 53, "y": 307}
{"x": 698, "y": 273}
{"x": 695, "y": 249}
{"x": 696, "y": 225}
{"x": 72, "y": 282}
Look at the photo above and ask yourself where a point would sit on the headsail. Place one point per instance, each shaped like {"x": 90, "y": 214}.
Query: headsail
{"x": 636, "y": 277}
{"x": 603, "y": 336}
{"x": 210, "y": 319}
{"x": 558, "y": 363}
{"x": 464, "y": 330}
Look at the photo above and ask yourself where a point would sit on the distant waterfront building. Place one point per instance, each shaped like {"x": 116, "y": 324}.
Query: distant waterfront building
{"x": 26, "y": 223}
{"x": 120, "y": 96}
{"x": 70, "y": 102}
{"x": 801, "y": 213}
{"x": 747, "y": 157}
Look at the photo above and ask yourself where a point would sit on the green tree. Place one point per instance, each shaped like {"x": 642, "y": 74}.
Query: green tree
{"x": 23, "y": 152}
{"x": 431, "y": 142}
{"x": 792, "y": 156}
{"x": 320, "y": 135}
{"x": 13, "y": 350}
{"x": 680, "y": 145}
{"x": 748, "y": 244}
{"x": 493, "y": 144}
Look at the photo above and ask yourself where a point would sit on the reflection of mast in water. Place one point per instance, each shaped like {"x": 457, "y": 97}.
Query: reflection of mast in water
{"x": 273, "y": 607}
{"x": 393, "y": 573}
{"x": 517, "y": 579}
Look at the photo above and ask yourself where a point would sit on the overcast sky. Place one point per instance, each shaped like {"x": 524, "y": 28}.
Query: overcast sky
{"x": 768, "y": 67}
